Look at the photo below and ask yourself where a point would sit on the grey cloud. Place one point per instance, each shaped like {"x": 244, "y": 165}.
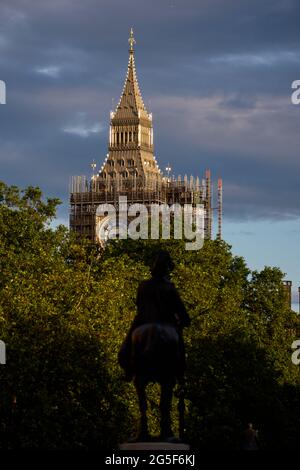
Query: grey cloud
{"x": 52, "y": 71}
{"x": 82, "y": 127}
{"x": 217, "y": 74}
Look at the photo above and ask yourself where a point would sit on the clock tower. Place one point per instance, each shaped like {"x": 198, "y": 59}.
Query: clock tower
{"x": 130, "y": 171}
{"x": 130, "y": 148}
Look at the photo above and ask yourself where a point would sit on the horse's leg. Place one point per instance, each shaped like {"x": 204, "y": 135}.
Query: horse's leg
{"x": 140, "y": 386}
{"x": 165, "y": 409}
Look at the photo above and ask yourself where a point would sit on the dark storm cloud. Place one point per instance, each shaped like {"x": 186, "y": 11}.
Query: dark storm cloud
{"x": 217, "y": 74}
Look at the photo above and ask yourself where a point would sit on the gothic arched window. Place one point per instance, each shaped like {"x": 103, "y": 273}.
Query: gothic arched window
{"x": 133, "y": 173}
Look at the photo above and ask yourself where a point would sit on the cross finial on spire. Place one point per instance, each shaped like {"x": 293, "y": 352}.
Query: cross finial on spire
{"x": 131, "y": 41}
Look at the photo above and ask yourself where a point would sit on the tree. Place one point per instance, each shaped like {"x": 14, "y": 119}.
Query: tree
{"x": 56, "y": 388}
{"x": 65, "y": 307}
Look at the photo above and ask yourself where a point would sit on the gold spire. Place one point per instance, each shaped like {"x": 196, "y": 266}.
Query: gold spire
{"x": 131, "y": 103}
{"x": 131, "y": 41}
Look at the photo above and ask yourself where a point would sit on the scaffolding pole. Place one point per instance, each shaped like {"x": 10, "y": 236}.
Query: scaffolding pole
{"x": 220, "y": 208}
{"x": 208, "y": 203}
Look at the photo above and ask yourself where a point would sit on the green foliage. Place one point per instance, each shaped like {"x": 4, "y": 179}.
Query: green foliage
{"x": 57, "y": 368}
{"x": 65, "y": 308}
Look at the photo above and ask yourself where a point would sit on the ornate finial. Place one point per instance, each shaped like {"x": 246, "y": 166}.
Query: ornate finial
{"x": 131, "y": 41}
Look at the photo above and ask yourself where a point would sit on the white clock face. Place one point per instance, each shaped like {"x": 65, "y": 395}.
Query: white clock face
{"x": 107, "y": 229}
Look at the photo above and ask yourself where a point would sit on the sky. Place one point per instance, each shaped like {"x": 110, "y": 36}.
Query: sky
{"x": 216, "y": 74}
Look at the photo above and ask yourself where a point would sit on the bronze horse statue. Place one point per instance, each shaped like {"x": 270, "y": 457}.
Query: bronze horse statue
{"x": 153, "y": 350}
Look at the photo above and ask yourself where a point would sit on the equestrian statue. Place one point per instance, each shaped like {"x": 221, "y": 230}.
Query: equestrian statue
{"x": 153, "y": 350}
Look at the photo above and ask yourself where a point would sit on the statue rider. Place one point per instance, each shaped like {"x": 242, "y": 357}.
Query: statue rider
{"x": 160, "y": 306}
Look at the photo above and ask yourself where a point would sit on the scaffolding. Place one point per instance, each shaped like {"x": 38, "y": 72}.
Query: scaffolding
{"x": 86, "y": 195}
{"x": 220, "y": 208}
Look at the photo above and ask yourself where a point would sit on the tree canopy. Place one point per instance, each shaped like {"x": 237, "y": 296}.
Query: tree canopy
{"x": 65, "y": 307}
